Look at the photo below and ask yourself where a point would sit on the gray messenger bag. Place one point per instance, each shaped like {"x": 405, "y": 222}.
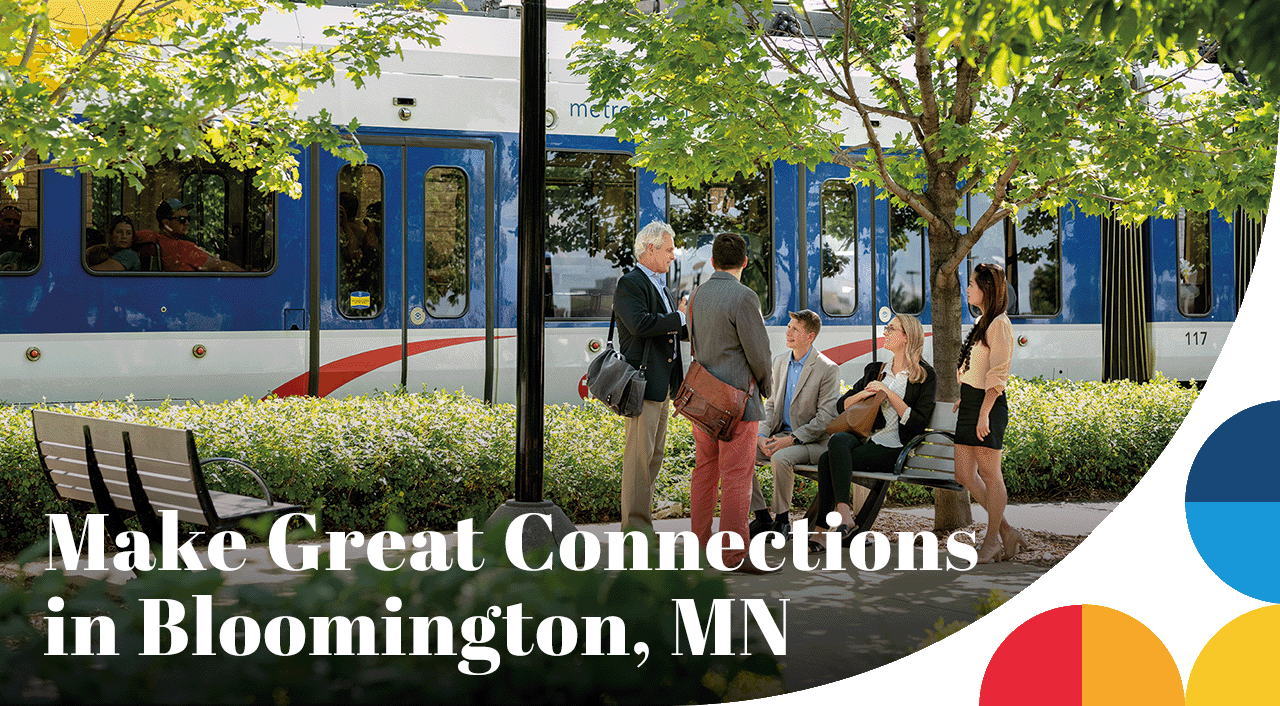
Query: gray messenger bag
{"x": 612, "y": 380}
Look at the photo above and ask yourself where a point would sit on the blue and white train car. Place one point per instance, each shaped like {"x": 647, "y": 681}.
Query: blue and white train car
{"x": 401, "y": 272}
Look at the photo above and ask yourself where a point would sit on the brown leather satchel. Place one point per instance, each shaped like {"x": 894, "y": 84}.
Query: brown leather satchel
{"x": 713, "y": 405}
{"x": 859, "y": 418}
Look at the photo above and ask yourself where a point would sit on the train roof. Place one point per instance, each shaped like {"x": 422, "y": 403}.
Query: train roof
{"x": 470, "y": 82}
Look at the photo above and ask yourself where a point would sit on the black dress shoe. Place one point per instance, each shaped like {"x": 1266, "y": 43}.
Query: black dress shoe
{"x": 757, "y": 526}
{"x": 783, "y": 527}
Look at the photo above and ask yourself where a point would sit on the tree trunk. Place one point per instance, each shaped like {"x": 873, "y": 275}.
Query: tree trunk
{"x": 951, "y": 509}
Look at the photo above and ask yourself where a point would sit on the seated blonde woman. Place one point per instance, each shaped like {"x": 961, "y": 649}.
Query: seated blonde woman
{"x": 909, "y": 384}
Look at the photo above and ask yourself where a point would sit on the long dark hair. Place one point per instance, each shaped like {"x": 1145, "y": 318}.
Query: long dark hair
{"x": 995, "y": 299}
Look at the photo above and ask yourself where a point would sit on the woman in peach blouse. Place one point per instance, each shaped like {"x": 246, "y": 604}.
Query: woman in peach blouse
{"x": 983, "y": 372}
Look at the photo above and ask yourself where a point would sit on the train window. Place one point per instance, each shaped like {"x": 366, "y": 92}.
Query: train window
{"x": 591, "y": 227}
{"x": 838, "y": 243}
{"x": 360, "y": 253}
{"x": 1195, "y": 294}
{"x": 741, "y": 206}
{"x": 1029, "y": 249}
{"x": 446, "y": 261}
{"x": 20, "y": 226}
{"x": 1033, "y": 262}
{"x": 907, "y": 274}
{"x": 187, "y": 217}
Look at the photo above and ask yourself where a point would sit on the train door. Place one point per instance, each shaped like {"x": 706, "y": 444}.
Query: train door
{"x": 840, "y": 225}
{"x": 449, "y": 336}
{"x": 1192, "y": 270}
{"x": 404, "y": 252}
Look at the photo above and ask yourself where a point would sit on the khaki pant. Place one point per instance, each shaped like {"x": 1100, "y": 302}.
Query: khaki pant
{"x": 783, "y": 464}
{"x": 646, "y": 435}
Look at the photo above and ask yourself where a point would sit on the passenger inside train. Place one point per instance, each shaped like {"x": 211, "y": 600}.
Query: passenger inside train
{"x": 117, "y": 254}
{"x": 19, "y": 249}
{"x": 177, "y": 252}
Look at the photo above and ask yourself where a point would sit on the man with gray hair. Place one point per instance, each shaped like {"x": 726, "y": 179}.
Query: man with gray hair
{"x": 650, "y": 327}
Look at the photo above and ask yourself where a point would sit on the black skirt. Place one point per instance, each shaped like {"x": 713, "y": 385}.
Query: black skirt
{"x": 967, "y": 419}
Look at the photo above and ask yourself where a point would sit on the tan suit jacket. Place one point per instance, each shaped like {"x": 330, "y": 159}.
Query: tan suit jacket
{"x": 814, "y": 404}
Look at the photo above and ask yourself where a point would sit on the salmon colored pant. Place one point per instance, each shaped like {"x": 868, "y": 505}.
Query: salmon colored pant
{"x": 723, "y": 471}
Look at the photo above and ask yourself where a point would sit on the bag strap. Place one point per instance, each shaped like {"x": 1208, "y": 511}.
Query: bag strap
{"x": 648, "y": 341}
{"x": 692, "y": 354}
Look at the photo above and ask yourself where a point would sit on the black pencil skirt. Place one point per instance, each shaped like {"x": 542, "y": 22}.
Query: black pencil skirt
{"x": 967, "y": 419}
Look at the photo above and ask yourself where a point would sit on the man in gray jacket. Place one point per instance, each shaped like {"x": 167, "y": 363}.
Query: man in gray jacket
{"x": 730, "y": 341}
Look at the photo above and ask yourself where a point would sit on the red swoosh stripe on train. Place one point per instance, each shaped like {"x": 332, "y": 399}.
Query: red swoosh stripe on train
{"x": 344, "y": 370}
{"x": 843, "y": 354}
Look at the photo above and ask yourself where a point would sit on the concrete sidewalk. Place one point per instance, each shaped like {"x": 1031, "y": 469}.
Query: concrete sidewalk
{"x": 843, "y": 623}
{"x": 839, "y": 623}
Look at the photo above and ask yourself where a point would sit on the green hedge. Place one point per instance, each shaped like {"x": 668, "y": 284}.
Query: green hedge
{"x": 435, "y": 459}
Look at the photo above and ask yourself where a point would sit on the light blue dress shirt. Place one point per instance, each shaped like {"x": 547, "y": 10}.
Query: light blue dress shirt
{"x": 793, "y": 379}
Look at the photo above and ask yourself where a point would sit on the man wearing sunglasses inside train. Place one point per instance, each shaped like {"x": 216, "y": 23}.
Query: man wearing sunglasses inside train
{"x": 176, "y": 252}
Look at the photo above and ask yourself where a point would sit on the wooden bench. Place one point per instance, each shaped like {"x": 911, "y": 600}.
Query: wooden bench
{"x": 125, "y": 469}
{"x": 927, "y": 460}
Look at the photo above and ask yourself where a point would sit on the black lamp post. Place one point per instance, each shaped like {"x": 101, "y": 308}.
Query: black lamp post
{"x": 531, "y": 297}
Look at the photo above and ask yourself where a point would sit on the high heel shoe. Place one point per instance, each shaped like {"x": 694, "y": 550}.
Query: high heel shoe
{"x": 993, "y": 555}
{"x": 1013, "y": 542}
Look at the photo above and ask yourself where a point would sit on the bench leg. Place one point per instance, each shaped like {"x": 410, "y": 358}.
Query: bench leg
{"x": 866, "y": 516}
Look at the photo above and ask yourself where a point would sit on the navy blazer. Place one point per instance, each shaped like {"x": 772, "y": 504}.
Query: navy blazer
{"x": 919, "y": 397}
{"x": 642, "y": 318}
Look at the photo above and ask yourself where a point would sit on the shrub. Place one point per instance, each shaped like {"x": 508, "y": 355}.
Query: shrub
{"x": 435, "y": 459}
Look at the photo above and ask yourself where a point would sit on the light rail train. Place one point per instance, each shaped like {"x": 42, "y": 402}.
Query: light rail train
{"x": 401, "y": 272}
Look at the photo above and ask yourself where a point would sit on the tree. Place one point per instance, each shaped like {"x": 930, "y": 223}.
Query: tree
{"x": 150, "y": 80}
{"x": 1238, "y": 34}
{"x": 1032, "y": 121}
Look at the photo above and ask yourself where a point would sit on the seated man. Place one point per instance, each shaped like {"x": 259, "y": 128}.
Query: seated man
{"x": 807, "y": 384}
{"x": 178, "y": 253}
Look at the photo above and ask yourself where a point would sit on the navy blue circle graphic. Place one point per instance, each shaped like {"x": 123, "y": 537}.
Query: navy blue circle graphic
{"x": 1233, "y": 502}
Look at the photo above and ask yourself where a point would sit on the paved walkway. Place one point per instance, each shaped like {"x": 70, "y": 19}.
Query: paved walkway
{"x": 839, "y": 623}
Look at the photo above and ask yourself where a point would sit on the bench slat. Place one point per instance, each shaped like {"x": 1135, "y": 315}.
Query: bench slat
{"x": 936, "y": 450}
{"x": 928, "y": 463}
{"x": 231, "y": 507}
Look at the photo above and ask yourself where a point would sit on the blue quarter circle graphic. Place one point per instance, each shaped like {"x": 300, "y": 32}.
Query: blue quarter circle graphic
{"x": 1233, "y": 501}
{"x": 1238, "y": 462}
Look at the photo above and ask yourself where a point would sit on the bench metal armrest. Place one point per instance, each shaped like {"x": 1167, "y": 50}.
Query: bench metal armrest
{"x": 237, "y": 462}
{"x": 920, "y": 439}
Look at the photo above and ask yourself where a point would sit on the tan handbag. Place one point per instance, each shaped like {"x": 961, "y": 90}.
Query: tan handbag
{"x": 859, "y": 418}
{"x": 713, "y": 405}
